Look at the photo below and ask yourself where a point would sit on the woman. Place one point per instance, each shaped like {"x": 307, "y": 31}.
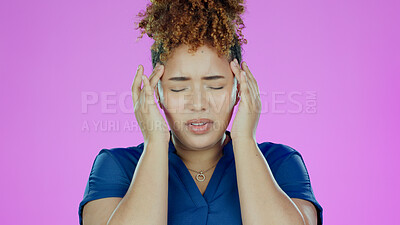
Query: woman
{"x": 198, "y": 172}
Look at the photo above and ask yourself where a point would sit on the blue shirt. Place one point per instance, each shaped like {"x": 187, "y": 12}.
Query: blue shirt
{"x": 113, "y": 169}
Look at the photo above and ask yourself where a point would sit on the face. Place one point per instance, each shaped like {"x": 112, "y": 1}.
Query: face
{"x": 197, "y": 86}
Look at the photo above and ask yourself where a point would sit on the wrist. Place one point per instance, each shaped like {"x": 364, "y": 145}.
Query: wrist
{"x": 158, "y": 144}
{"x": 243, "y": 141}
{"x": 163, "y": 139}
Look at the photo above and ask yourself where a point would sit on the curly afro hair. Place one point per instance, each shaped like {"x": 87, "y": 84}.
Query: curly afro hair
{"x": 215, "y": 23}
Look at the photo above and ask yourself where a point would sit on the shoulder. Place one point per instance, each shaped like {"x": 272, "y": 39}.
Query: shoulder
{"x": 119, "y": 153}
{"x": 276, "y": 152}
{"x": 112, "y": 171}
{"x": 285, "y": 162}
{"x": 290, "y": 172}
{"x": 111, "y": 174}
{"x": 118, "y": 159}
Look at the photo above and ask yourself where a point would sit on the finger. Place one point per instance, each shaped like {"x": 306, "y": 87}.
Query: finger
{"x": 253, "y": 97}
{"x": 250, "y": 76}
{"x": 252, "y": 83}
{"x": 256, "y": 101}
{"x": 148, "y": 91}
{"x": 137, "y": 83}
{"x": 235, "y": 70}
{"x": 244, "y": 81}
{"x": 244, "y": 88}
{"x": 156, "y": 75}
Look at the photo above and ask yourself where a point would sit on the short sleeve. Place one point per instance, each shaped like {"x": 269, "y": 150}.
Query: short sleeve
{"x": 293, "y": 178}
{"x": 106, "y": 179}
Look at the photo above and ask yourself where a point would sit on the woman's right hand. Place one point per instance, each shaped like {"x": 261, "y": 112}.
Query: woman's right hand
{"x": 151, "y": 122}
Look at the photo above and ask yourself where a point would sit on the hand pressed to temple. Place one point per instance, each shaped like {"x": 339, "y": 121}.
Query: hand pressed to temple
{"x": 245, "y": 123}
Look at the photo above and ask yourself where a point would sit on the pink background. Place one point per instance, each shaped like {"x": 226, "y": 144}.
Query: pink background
{"x": 53, "y": 53}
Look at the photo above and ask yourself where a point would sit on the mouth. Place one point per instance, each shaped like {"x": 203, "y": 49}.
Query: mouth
{"x": 199, "y": 126}
{"x": 198, "y": 122}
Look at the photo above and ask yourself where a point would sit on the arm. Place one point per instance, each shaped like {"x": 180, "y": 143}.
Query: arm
{"x": 307, "y": 209}
{"x": 99, "y": 211}
{"x": 261, "y": 198}
{"x": 262, "y": 201}
{"x": 146, "y": 201}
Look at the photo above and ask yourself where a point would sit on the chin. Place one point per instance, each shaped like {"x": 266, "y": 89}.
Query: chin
{"x": 202, "y": 140}
{"x": 199, "y": 141}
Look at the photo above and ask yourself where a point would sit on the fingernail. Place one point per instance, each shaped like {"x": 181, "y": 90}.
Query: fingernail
{"x": 236, "y": 61}
{"x": 138, "y": 67}
{"x": 244, "y": 63}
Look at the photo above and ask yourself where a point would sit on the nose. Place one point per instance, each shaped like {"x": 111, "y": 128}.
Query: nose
{"x": 198, "y": 101}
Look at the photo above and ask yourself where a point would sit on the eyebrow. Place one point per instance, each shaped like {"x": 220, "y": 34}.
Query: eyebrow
{"x": 214, "y": 77}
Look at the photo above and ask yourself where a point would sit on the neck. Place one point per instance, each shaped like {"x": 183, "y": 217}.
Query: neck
{"x": 200, "y": 159}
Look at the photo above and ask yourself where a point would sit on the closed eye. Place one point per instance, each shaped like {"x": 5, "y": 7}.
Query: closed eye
{"x": 215, "y": 88}
{"x": 178, "y": 90}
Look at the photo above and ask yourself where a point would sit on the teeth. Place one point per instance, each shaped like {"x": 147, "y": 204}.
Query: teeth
{"x": 198, "y": 124}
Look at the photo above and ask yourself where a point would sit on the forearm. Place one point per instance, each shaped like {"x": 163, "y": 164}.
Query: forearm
{"x": 146, "y": 201}
{"x": 262, "y": 201}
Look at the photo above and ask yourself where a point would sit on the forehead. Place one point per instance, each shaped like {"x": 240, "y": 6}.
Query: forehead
{"x": 204, "y": 61}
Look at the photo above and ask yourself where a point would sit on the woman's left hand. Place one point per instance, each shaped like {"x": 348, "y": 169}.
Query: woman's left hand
{"x": 246, "y": 120}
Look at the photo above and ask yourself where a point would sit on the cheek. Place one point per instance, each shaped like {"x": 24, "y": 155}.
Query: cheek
{"x": 175, "y": 102}
{"x": 220, "y": 102}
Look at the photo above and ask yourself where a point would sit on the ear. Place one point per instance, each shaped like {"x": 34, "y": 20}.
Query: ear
{"x": 237, "y": 93}
{"x": 237, "y": 99}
